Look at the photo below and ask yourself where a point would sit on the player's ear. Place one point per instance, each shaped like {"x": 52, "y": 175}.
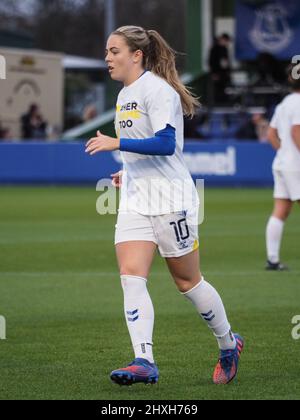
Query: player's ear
{"x": 138, "y": 56}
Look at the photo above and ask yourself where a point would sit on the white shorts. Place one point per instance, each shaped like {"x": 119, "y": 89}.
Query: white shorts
{"x": 175, "y": 234}
{"x": 287, "y": 185}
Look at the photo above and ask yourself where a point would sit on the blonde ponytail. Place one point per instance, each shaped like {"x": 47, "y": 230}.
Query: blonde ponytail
{"x": 159, "y": 58}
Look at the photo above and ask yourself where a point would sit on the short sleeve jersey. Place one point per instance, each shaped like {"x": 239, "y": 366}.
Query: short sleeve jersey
{"x": 153, "y": 185}
{"x": 287, "y": 115}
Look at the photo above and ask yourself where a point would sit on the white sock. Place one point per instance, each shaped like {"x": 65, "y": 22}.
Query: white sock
{"x": 273, "y": 238}
{"x": 144, "y": 351}
{"x": 210, "y": 307}
{"x": 139, "y": 314}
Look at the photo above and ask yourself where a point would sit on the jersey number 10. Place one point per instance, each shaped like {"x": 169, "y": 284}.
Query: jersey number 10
{"x": 181, "y": 230}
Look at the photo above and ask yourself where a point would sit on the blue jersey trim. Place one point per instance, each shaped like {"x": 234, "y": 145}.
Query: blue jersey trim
{"x": 163, "y": 144}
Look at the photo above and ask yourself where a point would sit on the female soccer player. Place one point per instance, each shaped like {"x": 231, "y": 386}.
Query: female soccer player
{"x": 159, "y": 202}
{"x": 284, "y": 135}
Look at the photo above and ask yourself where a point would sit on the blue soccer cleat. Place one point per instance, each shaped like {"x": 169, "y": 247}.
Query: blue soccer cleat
{"x": 139, "y": 371}
{"x": 227, "y": 367}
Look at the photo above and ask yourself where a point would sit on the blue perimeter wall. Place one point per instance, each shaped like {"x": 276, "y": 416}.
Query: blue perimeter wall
{"x": 220, "y": 164}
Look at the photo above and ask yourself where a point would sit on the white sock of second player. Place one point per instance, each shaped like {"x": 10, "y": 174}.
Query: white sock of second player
{"x": 273, "y": 238}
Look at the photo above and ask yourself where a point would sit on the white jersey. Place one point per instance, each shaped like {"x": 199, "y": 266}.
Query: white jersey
{"x": 153, "y": 185}
{"x": 287, "y": 115}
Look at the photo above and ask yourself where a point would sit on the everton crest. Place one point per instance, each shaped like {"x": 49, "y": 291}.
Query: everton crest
{"x": 271, "y": 32}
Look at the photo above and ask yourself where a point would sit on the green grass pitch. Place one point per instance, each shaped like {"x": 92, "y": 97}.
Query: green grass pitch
{"x": 61, "y": 296}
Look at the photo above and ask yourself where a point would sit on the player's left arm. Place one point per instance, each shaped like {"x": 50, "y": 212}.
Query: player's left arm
{"x": 274, "y": 138}
{"x": 296, "y": 126}
{"x": 296, "y": 135}
{"x": 162, "y": 144}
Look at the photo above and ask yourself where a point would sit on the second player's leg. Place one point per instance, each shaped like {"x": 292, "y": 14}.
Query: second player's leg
{"x": 282, "y": 209}
{"x": 274, "y": 232}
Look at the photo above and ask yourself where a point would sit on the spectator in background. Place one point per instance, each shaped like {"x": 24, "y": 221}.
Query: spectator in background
{"x": 33, "y": 124}
{"x": 191, "y": 125}
{"x": 4, "y": 133}
{"x": 220, "y": 67}
{"x": 255, "y": 128}
{"x": 270, "y": 71}
{"x": 262, "y": 126}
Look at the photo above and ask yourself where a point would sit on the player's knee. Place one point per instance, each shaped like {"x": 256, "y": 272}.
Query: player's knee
{"x": 185, "y": 287}
{"x": 282, "y": 215}
{"x": 131, "y": 270}
{"x": 187, "y": 284}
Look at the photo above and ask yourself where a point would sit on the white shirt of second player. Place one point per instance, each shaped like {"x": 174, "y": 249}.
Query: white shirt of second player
{"x": 286, "y": 167}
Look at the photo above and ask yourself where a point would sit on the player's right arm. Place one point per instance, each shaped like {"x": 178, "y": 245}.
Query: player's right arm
{"x": 274, "y": 138}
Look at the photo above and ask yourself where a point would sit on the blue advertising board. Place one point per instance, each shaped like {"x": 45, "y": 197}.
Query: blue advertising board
{"x": 220, "y": 164}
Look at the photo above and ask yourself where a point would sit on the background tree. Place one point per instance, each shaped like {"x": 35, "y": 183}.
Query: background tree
{"x": 78, "y": 26}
